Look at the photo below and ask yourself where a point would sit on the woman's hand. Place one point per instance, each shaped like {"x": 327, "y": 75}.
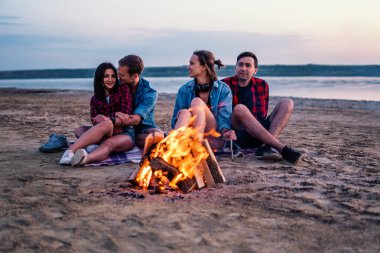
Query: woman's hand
{"x": 125, "y": 120}
{"x": 229, "y": 135}
{"x": 99, "y": 118}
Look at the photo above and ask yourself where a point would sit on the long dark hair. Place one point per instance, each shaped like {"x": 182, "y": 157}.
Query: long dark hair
{"x": 207, "y": 59}
{"x": 99, "y": 77}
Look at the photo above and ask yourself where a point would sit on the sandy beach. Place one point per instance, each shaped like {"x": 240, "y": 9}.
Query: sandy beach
{"x": 329, "y": 203}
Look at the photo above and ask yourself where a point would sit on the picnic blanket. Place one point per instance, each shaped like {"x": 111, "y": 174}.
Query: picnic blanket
{"x": 134, "y": 155}
{"x": 131, "y": 156}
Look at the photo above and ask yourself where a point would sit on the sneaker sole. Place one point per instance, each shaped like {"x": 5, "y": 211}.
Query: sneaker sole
{"x": 298, "y": 162}
{"x": 78, "y": 158}
{"x": 64, "y": 163}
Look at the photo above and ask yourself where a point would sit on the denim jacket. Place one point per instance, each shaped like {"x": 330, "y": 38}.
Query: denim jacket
{"x": 221, "y": 102}
{"x": 144, "y": 103}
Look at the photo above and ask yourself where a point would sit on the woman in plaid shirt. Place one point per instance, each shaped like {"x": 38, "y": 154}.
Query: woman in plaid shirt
{"x": 108, "y": 130}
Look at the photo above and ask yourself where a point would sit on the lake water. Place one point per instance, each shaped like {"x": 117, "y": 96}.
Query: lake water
{"x": 354, "y": 88}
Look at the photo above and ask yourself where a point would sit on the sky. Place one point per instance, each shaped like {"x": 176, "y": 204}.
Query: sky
{"x": 49, "y": 34}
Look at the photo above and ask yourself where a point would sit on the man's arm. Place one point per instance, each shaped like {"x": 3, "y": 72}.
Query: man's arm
{"x": 148, "y": 102}
{"x": 140, "y": 112}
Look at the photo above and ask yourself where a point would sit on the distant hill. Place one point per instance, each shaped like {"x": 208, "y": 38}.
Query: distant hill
{"x": 264, "y": 70}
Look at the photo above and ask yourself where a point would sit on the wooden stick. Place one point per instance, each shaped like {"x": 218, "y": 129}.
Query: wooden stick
{"x": 148, "y": 143}
{"x": 132, "y": 178}
{"x": 198, "y": 173}
{"x": 199, "y": 177}
{"x": 151, "y": 141}
{"x": 207, "y": 174}
{"x": 232, "y": 150}
{"x": 213, "y": 165}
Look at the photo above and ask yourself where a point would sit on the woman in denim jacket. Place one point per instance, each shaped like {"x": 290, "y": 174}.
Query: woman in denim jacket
{"x": 206, "y": 99}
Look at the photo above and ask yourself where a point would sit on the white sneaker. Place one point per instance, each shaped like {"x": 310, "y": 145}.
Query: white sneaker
{"x": 79, "y": 158}
{"x": 66, "y": 157}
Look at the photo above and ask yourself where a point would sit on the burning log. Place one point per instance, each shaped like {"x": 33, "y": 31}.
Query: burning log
{"x": 178, "y": 161}
{"x": 185, "y": 185}
{"x": 158, "y": 164}
{"x": 150, "y": 141}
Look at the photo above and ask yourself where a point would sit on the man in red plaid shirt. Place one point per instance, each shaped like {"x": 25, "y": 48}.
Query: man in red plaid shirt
{"x": 253, "y": 127}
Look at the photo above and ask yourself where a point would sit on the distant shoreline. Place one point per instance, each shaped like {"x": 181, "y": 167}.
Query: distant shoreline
{"x": 323, "y": 102}
{"x": 181, "y": 71}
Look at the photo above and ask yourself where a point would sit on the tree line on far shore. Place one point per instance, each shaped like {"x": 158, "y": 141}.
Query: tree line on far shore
{"x": 181, "y": 71}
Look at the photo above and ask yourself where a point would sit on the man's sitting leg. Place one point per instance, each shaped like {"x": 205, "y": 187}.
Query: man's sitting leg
{"x": 280, "y": 116}
{"x": 79, "y": 131}
{"x": 242, "y": 119}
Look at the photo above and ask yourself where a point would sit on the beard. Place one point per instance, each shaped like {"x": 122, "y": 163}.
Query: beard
{"x": 125, "y": 83}
{"x": 243, "y": 78}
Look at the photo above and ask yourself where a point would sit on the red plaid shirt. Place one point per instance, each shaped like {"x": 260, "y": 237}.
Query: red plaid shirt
{"x": 260, "y": 95}
{"x": 119, "y": 101}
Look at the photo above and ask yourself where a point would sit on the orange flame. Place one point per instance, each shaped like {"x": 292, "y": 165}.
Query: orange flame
{"x": 144, "y": 176}
{"x": 183, "y": 150}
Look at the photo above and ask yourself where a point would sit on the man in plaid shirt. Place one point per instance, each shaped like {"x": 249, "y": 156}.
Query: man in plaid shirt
{"x": 253, "y": 127}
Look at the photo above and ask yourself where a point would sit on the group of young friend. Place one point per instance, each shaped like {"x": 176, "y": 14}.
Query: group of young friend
{"x": 123, "y": 105}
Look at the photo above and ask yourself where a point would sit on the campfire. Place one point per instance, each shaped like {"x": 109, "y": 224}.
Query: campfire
{"x": 177, "y": 162}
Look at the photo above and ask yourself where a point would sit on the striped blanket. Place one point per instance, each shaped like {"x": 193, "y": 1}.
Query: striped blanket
{"x": 134, "y": 156}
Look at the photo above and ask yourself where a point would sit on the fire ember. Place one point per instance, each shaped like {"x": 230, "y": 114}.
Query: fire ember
{"x": 177, "y": 162}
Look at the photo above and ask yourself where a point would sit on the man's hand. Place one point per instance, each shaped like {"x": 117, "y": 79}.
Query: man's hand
{"x": 99, "y": 118}
{"x": 124, "y": 118}
{"x": 229, "y": 135}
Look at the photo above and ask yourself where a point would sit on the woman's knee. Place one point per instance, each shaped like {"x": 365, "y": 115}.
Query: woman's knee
{"x": 107, "y": 125}
{"x": 184, "y": 113}
{"x": 197, "y": 102}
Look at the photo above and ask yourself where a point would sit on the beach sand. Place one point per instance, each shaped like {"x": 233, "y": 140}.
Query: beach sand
{"x": 329, "y": 203}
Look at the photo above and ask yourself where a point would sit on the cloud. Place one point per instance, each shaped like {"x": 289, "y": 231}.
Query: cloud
{"x": 166, "y": 47}
{"x": 177, "y": 46}
{"x": 158, "y": 48}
